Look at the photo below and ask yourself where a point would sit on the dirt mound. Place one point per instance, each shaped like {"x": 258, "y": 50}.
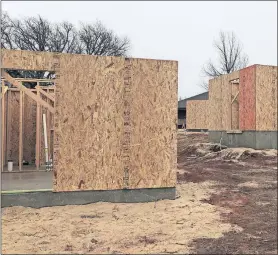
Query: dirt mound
{"x": 201, "y": 149}
{"x": 214, "y": 150}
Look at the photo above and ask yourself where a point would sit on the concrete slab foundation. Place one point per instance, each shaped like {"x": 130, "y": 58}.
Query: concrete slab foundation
{"x": 249, "y": 139}
{"x": 38, "y": 199}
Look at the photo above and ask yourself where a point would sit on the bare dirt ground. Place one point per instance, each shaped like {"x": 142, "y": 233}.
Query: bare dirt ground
{"x": 227, "y": 203}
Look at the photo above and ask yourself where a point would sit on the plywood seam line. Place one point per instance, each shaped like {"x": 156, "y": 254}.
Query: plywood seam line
{"x": 127, "y": 123}
{"x": 28, "y": 92}
{"x": 56, "y": 63}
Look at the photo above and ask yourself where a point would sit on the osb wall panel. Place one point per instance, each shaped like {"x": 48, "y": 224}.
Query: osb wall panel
{"x": 215, "y": 104}
{"x": 220, "y": 96}
{"x": 227, "y": 98}
{"x": 153, "y": 112}
{"x": 89, "y": 123}
{"x": 247, "y": 98}
{"x": 13, "y": 126}
{"x": 235, "y": 107}
{"x": 29, "y": 60}
{"x": 197, "y": 114}
{"x": 266, "y": 98}
{"x": 29, "y": 129}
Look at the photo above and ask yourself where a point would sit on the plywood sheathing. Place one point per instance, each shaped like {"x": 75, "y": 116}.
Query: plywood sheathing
{"x": 153, "y": 119}
{"x": 89, "y": 123}
{"x": 235, "y": 107}
{"x": 29, "y": 129}
{"x": 247, "y": 98}
{"x": 215, "y": 104}
{"x": 197, "y": 114}
{"x": 220, "y": 101}
{"x": 28, "y": 60}
{"x": 266, "y": 98}
{"x": 89, "y": 119}
{"x": 13, "y": 127}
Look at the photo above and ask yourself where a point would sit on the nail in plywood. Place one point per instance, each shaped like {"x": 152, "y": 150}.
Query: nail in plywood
{"x": 266, "y": 98}
{"x": 197, "y": 114}
{"x": 247, "y": 98}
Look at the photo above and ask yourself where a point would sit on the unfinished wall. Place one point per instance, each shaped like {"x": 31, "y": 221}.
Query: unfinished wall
{"x": 215, "y": 104}
{"x": 29, "y": 128}
{"x": 220, "y": 97}
{"x": 13, "y": 126}
{"x": 235, "y": 107}
{"x": 247, "y": 98}
{"x": 94, "y": 97}
{"x": 197, "y": 114}
{"x": 153, "y": 113}
{"x": 89, "y": 123}
{"x": 266, "y": 98}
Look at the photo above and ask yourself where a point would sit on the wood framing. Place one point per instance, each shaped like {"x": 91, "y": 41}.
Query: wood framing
{"x": 27, "y": 91}
{"x": 20, "y": 146}
{"x": 103, "y": 104}
{"x": 244, "y": 100}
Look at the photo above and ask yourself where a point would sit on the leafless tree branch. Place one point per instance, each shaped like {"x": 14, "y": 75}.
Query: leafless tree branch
{"x": 230, "y": 57}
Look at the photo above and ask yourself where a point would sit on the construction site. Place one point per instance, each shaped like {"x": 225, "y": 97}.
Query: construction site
{"x": 103, "y": 168}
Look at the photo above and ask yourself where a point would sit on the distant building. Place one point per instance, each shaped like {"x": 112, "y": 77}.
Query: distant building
{"x": 182, "y": 107}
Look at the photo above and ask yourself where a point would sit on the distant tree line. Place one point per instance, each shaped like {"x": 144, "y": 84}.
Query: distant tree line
{"x": 39, "y": 34}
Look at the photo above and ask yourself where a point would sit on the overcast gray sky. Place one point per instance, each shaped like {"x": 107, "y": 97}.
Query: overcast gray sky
{"x": 182, "y": 31}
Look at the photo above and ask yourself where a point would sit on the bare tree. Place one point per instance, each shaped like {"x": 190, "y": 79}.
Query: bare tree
{"x": 230, "y": 57}
{"x": 63, "y": 38}
{"x": 95, "y": 39}
{"x": 7, "y": 40}
{"x": 38, "y": 34}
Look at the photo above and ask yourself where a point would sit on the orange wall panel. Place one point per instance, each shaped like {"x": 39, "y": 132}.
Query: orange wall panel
{"x": 247, "y": 98}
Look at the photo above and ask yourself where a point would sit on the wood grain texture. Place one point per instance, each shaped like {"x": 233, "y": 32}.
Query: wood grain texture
{"x": 215, "y": 104}
{"x": 29, "y": 129}
{"x": 266, "y": 98}
{"x": 28, "y": 60}
{"x": 227, "y": 96}
{"x": 89, "y": 123}
{"x": 153, "y": 116}
{"x": 197, "y": 114}
{"x": 90, "y": 115}
{"x": 235, "y": 107}
{"x": 13, "y": 127}
{"x": 247, "y": 98}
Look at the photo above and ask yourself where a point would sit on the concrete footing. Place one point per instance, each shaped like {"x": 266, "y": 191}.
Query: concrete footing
{"x": 38, "y": 199}
{"x": 249, "y": 139}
